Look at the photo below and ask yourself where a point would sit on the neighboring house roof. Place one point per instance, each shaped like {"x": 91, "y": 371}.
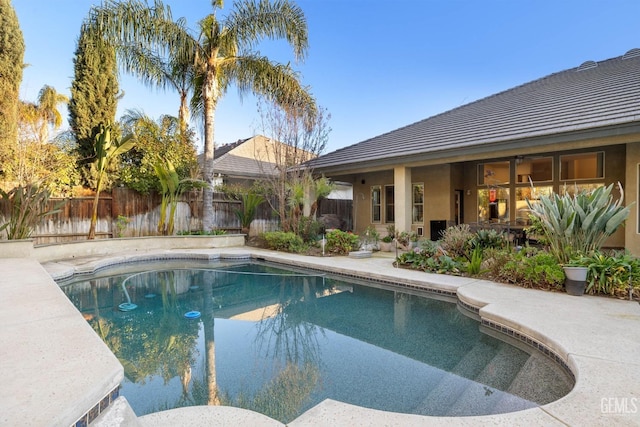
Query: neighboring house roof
{"x": 234, "y": 160}
{"x": 224, "y": 149}
{"x": 242, "y": 167}
{"x": 250, "y": 158}
{"x": 593, "y": 96}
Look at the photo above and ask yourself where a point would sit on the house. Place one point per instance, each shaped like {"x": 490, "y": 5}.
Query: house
{"x": 478, "y": 163}
{"x": 243, "y": 161}
{"x": 246, "y": 160}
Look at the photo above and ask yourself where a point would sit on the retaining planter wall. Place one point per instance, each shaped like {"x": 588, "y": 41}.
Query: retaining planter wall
{"x": 46, "y": 253}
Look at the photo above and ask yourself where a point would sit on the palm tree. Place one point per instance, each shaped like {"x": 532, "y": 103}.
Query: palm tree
{"x": 39, "y": 117}
{"x": 222, "y": 54}
{"x": 154, "y": 70}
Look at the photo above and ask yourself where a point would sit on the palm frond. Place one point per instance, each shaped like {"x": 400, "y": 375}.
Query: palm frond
{"x": 250, "y": 22}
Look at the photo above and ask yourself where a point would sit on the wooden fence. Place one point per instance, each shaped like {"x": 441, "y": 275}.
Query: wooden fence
{"x": 126, "y": 213}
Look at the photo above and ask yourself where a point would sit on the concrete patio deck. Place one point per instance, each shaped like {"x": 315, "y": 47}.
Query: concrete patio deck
{"x": 55, "y": 367}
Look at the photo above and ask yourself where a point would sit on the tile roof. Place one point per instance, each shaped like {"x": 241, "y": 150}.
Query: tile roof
{"x": 590, "y": 96}
{"x": 242, "y": 167}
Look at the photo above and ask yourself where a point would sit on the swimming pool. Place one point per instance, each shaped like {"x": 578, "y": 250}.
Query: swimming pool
{"x": 278, "y": 341}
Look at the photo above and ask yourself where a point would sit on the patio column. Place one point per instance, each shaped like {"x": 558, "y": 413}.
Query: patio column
{"x": 402, "y": 188}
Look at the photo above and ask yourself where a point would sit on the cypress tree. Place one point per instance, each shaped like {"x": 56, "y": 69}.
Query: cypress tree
{"x": 94, "y": 93}
{"x": 11, "y": 64}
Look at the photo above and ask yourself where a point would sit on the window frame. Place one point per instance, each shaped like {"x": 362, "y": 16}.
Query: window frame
{"x": 414, "y": 204}
{"x": 374, "y": 204}
{"x": 485, "y": 175}
{"x": 389, "y": 205}
{"x": 596, "y": 178}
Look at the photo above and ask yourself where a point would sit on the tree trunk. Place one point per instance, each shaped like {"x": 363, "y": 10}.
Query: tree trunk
{"x": 209, "y": 98}
{"x": 94, "y": 213}
{"x": 213, "y": 397}
{"x": 183, "y": 116}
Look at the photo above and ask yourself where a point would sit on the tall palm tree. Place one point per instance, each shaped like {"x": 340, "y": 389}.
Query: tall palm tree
{"x": 222, "y": 54}
{"x": 39, "y": 117}
{"x": 174, "y": 72}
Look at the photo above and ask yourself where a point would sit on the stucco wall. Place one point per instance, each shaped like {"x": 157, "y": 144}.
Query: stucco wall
{"x": 362, "y": 199}
{"x": 258, "y": 147}
{"x": 632, "y": 238}
{"x": 438, "y": 194}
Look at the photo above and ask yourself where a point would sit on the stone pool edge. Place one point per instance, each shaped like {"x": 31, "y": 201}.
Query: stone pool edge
{"x": 602, "y": 361}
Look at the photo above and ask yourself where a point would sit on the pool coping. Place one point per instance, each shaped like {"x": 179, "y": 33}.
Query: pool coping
{"x": 598, "y": 339}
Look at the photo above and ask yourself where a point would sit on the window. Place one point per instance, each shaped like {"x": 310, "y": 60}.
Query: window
{"x": 534, "y": 169}
{"x": 375, "y": 204}
{"x": 582, "y": 166}
{"x": 418, "y": 203}
{"x": 493, "y": 204}
{"x": 493, "y": 173}
{"x": 533, "y": 194}
{"x": 389, "y": 203}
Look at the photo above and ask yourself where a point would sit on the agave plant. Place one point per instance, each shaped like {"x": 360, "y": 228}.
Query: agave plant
{"x": 579, "y": 224}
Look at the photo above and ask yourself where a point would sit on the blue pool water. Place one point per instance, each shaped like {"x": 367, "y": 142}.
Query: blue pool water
{"x": 279, "y": 342}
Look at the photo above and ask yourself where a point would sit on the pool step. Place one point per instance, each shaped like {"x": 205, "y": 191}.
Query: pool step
{"x": 503, "y": 368}
{"x": 482, "y": 395}
{"x": 452, "y": 385}
{"x": 535, "y": 380}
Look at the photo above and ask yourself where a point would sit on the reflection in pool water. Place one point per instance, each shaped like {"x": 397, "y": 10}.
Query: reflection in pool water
{"x": 280, "y": 342}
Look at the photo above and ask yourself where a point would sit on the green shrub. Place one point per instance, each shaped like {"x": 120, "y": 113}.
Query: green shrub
{"x": 532, "y": 269}
{"x": 250, "y": 203}
{"x": 429, "y": 247}
{"x": 475, "y": 263}
{"x": 309, "y": 229}
{"x": 495, "y": 259}
{"x": 341, "y": 242}
{"x": 611, "y": 273}
{"x": 457, "y": 240}
{"x": 422, "y": 260}
{"x": 488, "y": 238}
{"x": 214, "y": 232}
{"x": 284, "y": 241}
{"x": 28, "y": 204}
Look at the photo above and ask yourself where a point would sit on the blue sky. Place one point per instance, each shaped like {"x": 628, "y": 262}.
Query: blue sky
{"x": 374, "y": 65}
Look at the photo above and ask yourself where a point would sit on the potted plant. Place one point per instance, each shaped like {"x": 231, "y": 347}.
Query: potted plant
{"x": 370, "y": 239}
{"x": 575, "y": 225}
{"x": 575, "y": 272}
{"x": 407, "y": 239}
{"x": 386, "y": 244}
{"x": 413, "y": 239}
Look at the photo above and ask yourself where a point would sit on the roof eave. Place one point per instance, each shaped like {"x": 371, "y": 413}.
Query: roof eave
{"x": 553, "y": 142}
